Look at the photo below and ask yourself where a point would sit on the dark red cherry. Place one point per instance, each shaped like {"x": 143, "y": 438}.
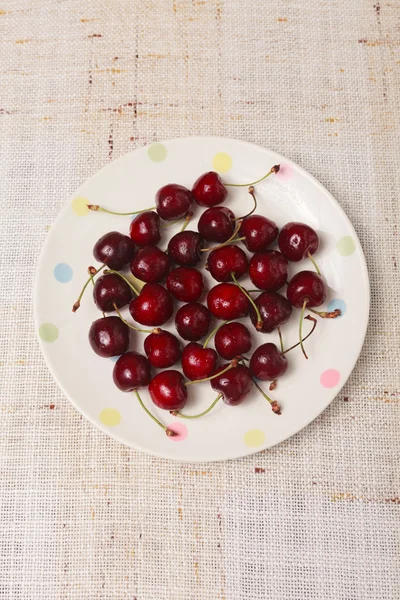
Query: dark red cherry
{"x": 168, "y": 390}
{"x": 192, "y": 321}
{"x": 198, "y": 362}
{"x": 145, "y": 229}
{"x": 267, "y": 363}
{"x": 275, "y": 310}
{"x": 184, "y": 248}
{"x": 296, "y": 240}
{"x": 131, "y": 371}
{"x": 226, "y": 301}
{"x": 110, "y": 289}
{"x": 222, "y": 262}
{"x": 234, "y": 385}
{"x": 259, "y": 232}
{"x": 231, "y": 340}
{"x": 114, "y": 250}
{"x": 162, "y": 348}
{"x": 153, "y": 306}
{"x": 216, "y": 224}
{"x": 306, "y": 285}
{"x": 173, "y": 201}
{"x": 150, "y": 264}
{"x": 208, "y": 189}
{"x": 268, "y": 270}
{"x": 109, "y": 336}
{"x": 185, "y": 284}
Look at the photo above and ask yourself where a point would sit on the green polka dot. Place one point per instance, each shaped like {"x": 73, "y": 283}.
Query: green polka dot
{"x": 157, "y": 152}
{"x": 222, "y": 162}
{"x": 346, "y": 246}
{"x": 110, "y": 417}
{"x": 254, "y": 438}
{"x": 48, "y": 332}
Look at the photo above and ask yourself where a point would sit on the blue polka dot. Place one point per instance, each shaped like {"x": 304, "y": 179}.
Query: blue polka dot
{"x": 337, "y": 303}
{"x": 63, "y": 273}
{"x": 115, "y": 358}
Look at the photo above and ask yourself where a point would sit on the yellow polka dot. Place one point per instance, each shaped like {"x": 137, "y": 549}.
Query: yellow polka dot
{"x": 79, "y": 206}
{"x": 138, "y": 283}
{"x": 222, "y": 162}
{"x": 346, "y": 246}
{"x": 157, "y": 152}
{"x": 254, "y": 438}
{"x": 110, "y": 417}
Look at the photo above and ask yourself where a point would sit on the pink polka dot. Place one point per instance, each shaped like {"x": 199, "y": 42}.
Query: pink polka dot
{"x": 285, "y": 172}
{"x": 330, "y": 378}
{"x": 179, "y": 428}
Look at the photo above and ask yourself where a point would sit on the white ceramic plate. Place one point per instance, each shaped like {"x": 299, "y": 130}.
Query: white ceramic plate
{"x": 130, "y": 183}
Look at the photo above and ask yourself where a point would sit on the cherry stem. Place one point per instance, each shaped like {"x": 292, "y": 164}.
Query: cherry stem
{"x": 274, "y": 404}
{"x": 274, "y": 169}
{"x": 91, "y": 271}
{"x": 281, "y": 340}
{"x": 231, "y": 239}
{"x": 251, "y": 192}
{"x": 78, "y": 302}
{"x": 316, "y": 267}
{"x": 170, "y": 223}
{"x": 259, "y": 319}
{"x": 187, "y": 219}
{"x": 327, "y": 315}
{"x": 156, "y": 330}
{"x": 301, "y": 327}
{"x": 97, "y": 208}
{"x": 233, "y": 364}
{"x": 178, "y": 414}
{"x": 110, "y": 271}
{"x": 169, "y": 432}
{"x": 309, "y": 318}
{"x": 214, "y": 331}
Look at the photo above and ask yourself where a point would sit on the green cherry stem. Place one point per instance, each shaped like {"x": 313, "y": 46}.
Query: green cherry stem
{"x": 110, "y": 271}
{"x": 214, "y": 331}
{"x": 171, "y": 223}
{"x": 92, "y": 272}
{"x": 178, "y": 414}
{"x": 274, "y": 404}
{"x": 326, "y": 315}
{"x": 251, "y": 192}
{"x": 316, "y": 267}
{"x": 309, "y": 318}
{"x": 233, "y": 364}
{"x": 301, "y": 327}
{"x": 97, "y": 208}
{"x": 281, "y": 340}
{"x": 274, "y": 169}
{"x": 228, "y": 241}
{"x": 187, "y": 219}
{"x": 155, "y": 330}
{"x": 168, "y": 432}
{"x": 259, "y": 319}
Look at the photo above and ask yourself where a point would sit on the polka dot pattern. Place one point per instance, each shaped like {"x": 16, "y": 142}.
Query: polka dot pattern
{"x": 157, "y": 152}
{"x": 63, "y": 272}
{"x": 48, "y": 332}
{"x": 114, "y": 358}
{"x": 254, "y": 438}
{"x": 337, "y": 303}
{"x": 79, "y": 206}
{"x": 179, "y": 428}
{"x": 110, "y": 417}
{"x": 222, "y": 162}
{"x": 330, "y": 378}
{"x": 346, "y": 246}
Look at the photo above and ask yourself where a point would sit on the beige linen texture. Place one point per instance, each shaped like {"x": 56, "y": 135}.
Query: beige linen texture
{"x": 83, "y": 517}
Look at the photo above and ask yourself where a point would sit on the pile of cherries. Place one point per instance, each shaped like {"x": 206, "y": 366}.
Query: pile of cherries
{"x": 173, "y": 275}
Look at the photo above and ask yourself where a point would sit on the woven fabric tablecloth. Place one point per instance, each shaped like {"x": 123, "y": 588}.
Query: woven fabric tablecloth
{"x": 83, "y": 517}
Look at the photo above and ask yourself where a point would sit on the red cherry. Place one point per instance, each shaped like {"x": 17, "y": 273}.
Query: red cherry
{"x": 275, "y": 310}
{"x": 192, "y": 321}
{"x": 227, "y": 302}
{"x": 267, "y": 363}
{"x": 259, "y": 232}
{"x": 216, "y": 224}
{"x": 150, "y": 264}
{"x": 231, "y": 340}
{"x": 306, "y": 286}
{"x": 111, "y": 289}
{"x": 185, "y": 284}
{"x": 198, "y": 362}
{"x": 168, "y": 390}
{"x": 234, "y": 385}
{"x": 153, "y": 306}
{"x": 114, "y": 250}
{"x": 131, "y": 371}
{"x": 222, "y": 262}
{"x": 145, "y": 229}
{"x": 184, "y": 248}
{"x": 173, "y": 201}
{"x": 209, "y": 190}
{"x": 268, "y": 270}
{"x": 297, "y": 240}
{"x": 109, "y": 336}
{"x": 162, "y": 348}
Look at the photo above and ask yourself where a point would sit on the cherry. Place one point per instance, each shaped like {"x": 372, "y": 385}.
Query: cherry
{"x": 192, "y": 321}
{"x": 275, "y": 310}
{"x": 109, "y": 336}
{"x": 208, "y": 189}
{"x": 231, "y": 340}
{"x": 198, "y": 362}
{"x": 224, "y": 261}
{"x": 168, "y": 390}
{"x": 258, "y": 232}
{"x": 111, "y": 289}
{"x": 216, "y": 224}
{"x": 267, "y": 363}
{"x": 150, "y": 264}
{"x": 226, "y": 301}
{"x": 153, "y": 306}
{"x": 173, "y": 201}
{"x": 268, "y": 270}
{"x": 306, "y": 287}
{"x": 234, "y": 384}
{"x": 162, "y": 348}
{"x": 131, "y": 371}
{"x": 185, "y": 284}
{"x": 184, "y": 248}
{"x": 145, "y": 229}
{"x": 114, "y": 250}
{"x": 298, "y": 240}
